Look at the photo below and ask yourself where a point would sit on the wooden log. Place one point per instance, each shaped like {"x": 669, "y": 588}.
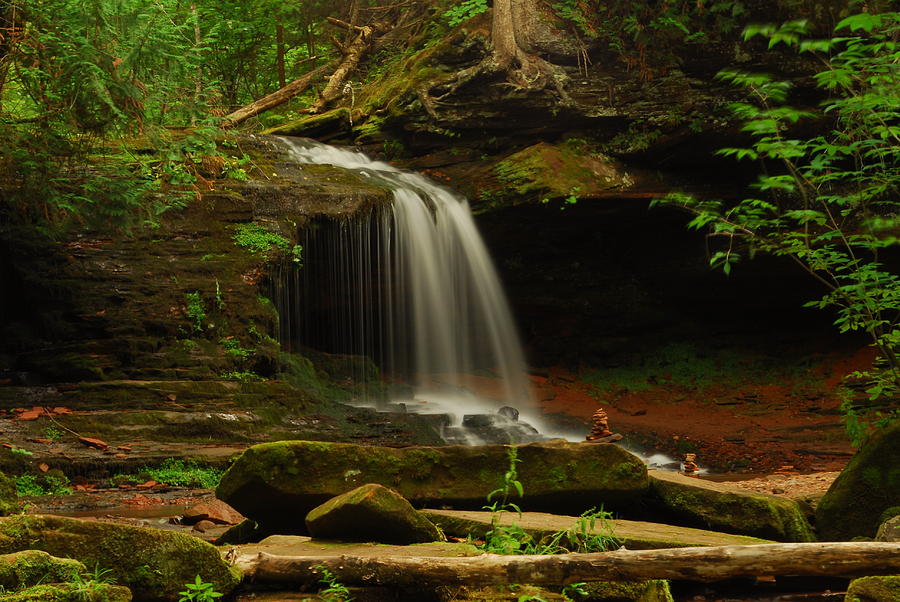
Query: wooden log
{"x": 275, "y": 98}
{"x": 844, "y": 559}
{"x": 352, "y": 54}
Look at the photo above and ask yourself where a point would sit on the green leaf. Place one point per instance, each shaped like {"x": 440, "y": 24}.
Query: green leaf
{"x": 862, "y": 21}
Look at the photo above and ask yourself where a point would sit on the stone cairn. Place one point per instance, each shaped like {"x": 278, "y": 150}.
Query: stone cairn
{"x": 689, "y": 466}
{"x": 600, "y": 428}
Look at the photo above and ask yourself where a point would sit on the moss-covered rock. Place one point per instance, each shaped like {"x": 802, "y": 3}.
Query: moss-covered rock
{"x": 889, "y": 530}
{"x": 278, "y": 483}
{"x": 655, "y": 590}
{"x": 555, "y": 171}
{"x": 154, "y": 564}
{"x": 32, "y": 567}
{"x": 9, "y": 499}
{"x": 868, "y": 485}
{"x": 371, "y": 512}
{"x": 500, "y": 593}
{"x": 721, "y": 507}
{"x": 874, "y": 589}
{"x": 70, "y": 592}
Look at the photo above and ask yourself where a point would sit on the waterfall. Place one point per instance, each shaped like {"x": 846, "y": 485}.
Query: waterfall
{"x": 412, "y": 286}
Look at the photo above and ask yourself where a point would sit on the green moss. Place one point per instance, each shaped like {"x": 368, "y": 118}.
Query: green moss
{"x": 311, "y": 125}
{"x": 709, "y": 506}
{"x": 70, "y": 592}
{"x": 867, "y": 487}
{"x": 166, "y": 560}
{"x": 561, "y": 171}
{"x": 882, "y": 589}
{"x": 256, "y": 238}
{"x": 634, "y": 591}
{"x": 32, "y": 567}
{"x": 9, "y": 499}
{"x": 292, "y": 475}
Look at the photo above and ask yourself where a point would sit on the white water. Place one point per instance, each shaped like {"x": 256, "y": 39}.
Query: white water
{"x": 426, "y": 298}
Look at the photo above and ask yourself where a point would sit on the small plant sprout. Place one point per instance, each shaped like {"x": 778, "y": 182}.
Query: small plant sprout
{"x": 199, "y": 591}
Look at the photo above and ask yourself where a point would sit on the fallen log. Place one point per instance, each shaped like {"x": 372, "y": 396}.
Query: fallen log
{"x": 352, "y": 54}
{"x": 275, "y": 98}
{"x": 844, "y": 559}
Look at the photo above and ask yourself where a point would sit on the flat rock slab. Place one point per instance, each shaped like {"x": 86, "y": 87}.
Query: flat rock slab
{"x": 723, "y": 507}
{"x": 300, "y": 545}
{"x": 276, "y": 484}
{"x": 635, "y": 535}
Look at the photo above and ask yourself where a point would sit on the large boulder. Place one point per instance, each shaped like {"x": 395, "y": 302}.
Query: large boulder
{"x": 276, "y": 484}
{"x": 371, "y": 513}
{"x": 869, "y": 485}
{"x": 154, "y": 564}
{"x": 721, "y": 507}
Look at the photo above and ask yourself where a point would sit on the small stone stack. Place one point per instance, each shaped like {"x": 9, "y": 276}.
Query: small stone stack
{"x": 690, "y": 464}
{"x": 600, "y": 428}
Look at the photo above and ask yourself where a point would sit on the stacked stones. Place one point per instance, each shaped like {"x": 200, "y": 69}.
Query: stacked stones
{"x": 600, "y": 428}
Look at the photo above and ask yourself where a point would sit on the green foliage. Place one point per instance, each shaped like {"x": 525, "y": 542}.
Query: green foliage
{"x": 47, "y": 484}
{"x": 332, "y": 590}
{"x": 184, "y": 473}
{"x": 828, "y": 202}
{"x": 234, "y": 349}
{"x": 243, "y": 376}
{"x": 592, "y": 532}
{"x": 195, "y": 310}
{"x": 53, "y": 433}
{"x": 505, "y": 539}
{"x": 643, "y": 34}
{"x": 199, "y": 591}
{"x": 257, "y": 239}
{"x": 77, "y": 74}
{"x": 464, "y": 11}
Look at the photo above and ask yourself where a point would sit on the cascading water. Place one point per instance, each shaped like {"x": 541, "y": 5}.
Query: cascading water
{"x": 411, "y": 286}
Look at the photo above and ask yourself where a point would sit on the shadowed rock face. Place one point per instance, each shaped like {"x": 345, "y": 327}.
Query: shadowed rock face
{"x": 279, "y": 483}
{"x": 864, "y": 491}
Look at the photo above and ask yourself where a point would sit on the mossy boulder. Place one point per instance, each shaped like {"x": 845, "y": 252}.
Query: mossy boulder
{"x": 874, "y": 589}
{"x": 371, "y": 512}
{"x": 868, "y": 485}
{"x": 154, "y": 564}
{"x": 889, "y": 530}
{"x": 33, "y": 567}
{"x": 717, "y": 506}
{"x": 276, "y": 484}
{"x": 9, "y": 499}
{"x": 654, "y": 590}
{"x": 70, "y": 592}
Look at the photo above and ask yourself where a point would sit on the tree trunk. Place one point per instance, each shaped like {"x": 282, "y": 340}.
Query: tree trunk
{"x": 10, "y": 28}
{"x": 845, "y": 559}
{"x": 275, "y": 98}
{"x": 503, "y": 34}
{"x": 279, "y": 51}
{"x": 353, "y": 53}
{"x": 511, "y": 55}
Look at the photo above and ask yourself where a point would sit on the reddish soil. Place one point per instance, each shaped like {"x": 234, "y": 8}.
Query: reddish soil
{"x": 748, "y": 427}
